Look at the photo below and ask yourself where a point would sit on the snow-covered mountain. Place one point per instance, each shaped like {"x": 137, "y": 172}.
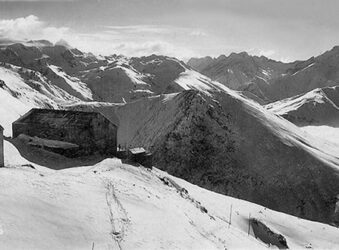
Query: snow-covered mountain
{"x": 270, "y": 80}
{"x": 112, "y": 205}
{"x": 240, "y": 71}
{"x": 317, "y": 107}
{"x": 109, "y": 79}
{"x": 316, "y": 112}
{"x": 49, "y": 63}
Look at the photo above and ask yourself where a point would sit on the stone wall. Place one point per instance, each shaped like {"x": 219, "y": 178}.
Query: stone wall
{"x": 93, "y": 134}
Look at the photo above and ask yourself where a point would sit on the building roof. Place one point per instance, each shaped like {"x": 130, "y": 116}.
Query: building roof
{"x": 137, "y": 150}
{"x": 57, "y": 118}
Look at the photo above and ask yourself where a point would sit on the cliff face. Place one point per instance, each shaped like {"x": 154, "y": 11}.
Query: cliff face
{"x": 229, "y": 145}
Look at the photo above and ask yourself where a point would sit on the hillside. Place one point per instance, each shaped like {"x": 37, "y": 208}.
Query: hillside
{"x": 119, "y": 206}
{"x": 230, "y": 145}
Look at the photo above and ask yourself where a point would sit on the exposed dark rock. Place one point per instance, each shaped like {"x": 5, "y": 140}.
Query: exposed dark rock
{"x": 90, "y": 132}
{"x": 265, "y": 234}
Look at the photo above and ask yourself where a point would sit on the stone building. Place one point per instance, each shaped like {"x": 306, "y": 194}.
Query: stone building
{"x": 90, "y": 131}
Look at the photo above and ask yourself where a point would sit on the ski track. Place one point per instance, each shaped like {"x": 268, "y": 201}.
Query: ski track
{"x": 118, "y": 215}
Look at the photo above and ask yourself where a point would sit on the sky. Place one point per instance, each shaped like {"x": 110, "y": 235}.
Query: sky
{"x": 283, "y": 30}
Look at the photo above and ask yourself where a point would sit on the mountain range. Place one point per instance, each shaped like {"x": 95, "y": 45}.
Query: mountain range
{"x": 197, "y": 127}
{"x": 266, "y": 80}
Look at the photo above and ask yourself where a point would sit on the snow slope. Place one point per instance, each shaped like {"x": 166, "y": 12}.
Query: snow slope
{"x": 17, "y": 109}
{"x": 22, "y": 89}
{"x": 74, "y": 83}
{"x": 118, "y": 206}
{"x": 317, "y": 107}
{"x": 328, "y": 133}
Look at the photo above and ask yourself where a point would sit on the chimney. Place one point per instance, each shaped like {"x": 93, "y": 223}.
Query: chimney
{"x": 2, "y": 162}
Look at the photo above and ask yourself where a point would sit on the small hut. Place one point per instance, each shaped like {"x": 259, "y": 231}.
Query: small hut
{"x": 141, "y": 156}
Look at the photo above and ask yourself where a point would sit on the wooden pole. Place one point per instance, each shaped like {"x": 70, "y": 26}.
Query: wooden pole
{"x": 2, "y": 161}
{"x": 249, "y": 223}
{"x": 230, "y": 219}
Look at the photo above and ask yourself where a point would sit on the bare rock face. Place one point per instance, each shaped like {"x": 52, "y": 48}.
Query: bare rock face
{"x": 232, "y": 147}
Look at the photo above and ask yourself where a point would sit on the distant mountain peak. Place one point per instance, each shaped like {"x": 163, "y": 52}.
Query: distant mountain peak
{"x": 39, "y": 43}
{"x": 63, "y": 43}
{"x": 336, "y": 48}
{"x": 243, "y": 54}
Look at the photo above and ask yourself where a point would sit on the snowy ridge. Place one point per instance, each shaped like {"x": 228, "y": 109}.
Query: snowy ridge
{"x": 317, "y": 107}
{"x": 193, "y": 80}
{"x": 289, "y": 104}
{"x": 290, "y": 133}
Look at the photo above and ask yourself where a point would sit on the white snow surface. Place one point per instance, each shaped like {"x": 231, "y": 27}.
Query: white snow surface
{"x": 73, "y": 82}
{"x": 293, "y": 103}
{"x": 117, "y": 206}
{"x": 328, "y": 133}
{"x": 17, "y": 108}
{"x": 16, "y": 85}
{"x": 190, "y": 79}
{"x": 135, "y": 76}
